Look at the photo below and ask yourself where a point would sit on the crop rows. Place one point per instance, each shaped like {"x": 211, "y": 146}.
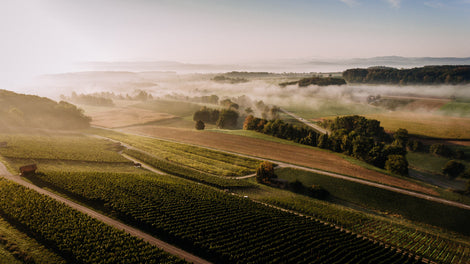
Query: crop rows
{"x": 188, "y": 173}
{"x": 218, "y": 226}
{"x": 77, "y": 237}
{"x": 72, "y": 148}
{"x": 422, "y": 243}
{"x": 210, "y": 161}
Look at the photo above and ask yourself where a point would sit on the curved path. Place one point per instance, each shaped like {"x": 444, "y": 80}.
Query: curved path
{"x": 315, "y": 127}
{"x": 112, "y": 222}
{"x": 331, "y": 174}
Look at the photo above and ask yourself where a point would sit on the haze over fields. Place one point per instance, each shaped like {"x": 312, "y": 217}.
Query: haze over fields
{"x": 249, "y": 131}
{"x": 53, "y": 36}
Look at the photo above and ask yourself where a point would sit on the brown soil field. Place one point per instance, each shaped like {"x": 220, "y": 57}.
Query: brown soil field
{"x": 276, "y": 151}
{"x": 125, "y": 116}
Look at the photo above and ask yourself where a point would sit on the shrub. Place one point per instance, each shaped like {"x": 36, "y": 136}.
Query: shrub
{"x": 397, "y": 164}
{"x": 453, "y": 168}
{"x": 441, "y": 150}
{"x": 265, "y": 172}
{"x": 200, "y": 125}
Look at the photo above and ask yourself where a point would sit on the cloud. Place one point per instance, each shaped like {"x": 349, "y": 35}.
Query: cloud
{"x": 350, "y": 3}
{"x": 435, "y": 4}
{"x": 394, "y": 3}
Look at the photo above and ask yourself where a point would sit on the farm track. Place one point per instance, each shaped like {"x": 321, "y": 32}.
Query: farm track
{"x": 107, "y": 220}
{"x": 340, "y": 176}
{"x": 315, "y": 127}
{"x": 342, "y": 229}
{"x": 278, "y": 152}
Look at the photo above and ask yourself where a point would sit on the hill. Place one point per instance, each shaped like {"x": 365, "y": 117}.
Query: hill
{"x": 19, "y": 111}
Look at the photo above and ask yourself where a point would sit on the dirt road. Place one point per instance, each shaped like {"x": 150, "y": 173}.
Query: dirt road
{"x": 307, "y": 157}
{"x": 132, "y": 231}
{"x": 315, "y": 127}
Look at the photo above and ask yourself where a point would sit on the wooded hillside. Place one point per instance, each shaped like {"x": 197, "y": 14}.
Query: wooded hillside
{"x": 423, "y": 75}
{"x": 30, "y": 111}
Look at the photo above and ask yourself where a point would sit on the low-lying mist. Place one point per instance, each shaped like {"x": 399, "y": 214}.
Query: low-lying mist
{"x": 170, "y": 84}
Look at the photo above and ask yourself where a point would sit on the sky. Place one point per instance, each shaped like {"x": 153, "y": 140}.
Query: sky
{"x": 40, "y": 36}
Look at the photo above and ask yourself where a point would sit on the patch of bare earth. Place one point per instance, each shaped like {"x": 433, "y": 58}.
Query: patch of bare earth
{"x": 126, "y": 116}
{"x": 276, "y": 151}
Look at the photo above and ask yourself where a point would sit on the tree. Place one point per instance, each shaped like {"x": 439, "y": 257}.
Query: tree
{"x": 200, "y": 125}
{"x": 323, "y": 141}
{"x": 400, "y": 138}
{"x": 227, "y": 119}
{"x": 265, "y": 172}
{"x": 397, "y": 164}
{"x": 453, "y": 168}
{"x": 441, "y": 150}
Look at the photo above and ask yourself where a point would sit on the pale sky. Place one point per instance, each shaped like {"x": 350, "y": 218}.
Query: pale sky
{"x": 48, "y": 35}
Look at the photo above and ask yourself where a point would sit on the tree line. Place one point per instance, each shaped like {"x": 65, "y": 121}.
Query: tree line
{"x": 422, "y": 75}
{"x": 355, "y": 136}
{"x": 320, "y": 81}
{"x": 225, "y": 118}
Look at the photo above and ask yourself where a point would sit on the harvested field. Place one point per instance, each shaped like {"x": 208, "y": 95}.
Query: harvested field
{"x": 426, "y": 125}
{"x": 276, "y": 151}
{"x": 425, "y": 105}
{"x": 126, "y": 116}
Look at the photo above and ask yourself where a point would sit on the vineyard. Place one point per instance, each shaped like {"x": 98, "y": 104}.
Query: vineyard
{"x": 71, "y": 148}
{"x": 218, "y": 226}
{"x": 209, "y": 161}
{"x": 188, "y": 173}
{"x": 74, "y": 236}
{"x": 425, "y": 242}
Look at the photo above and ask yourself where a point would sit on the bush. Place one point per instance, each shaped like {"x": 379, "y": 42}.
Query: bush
{"x": 441, "y": 150}
{"x": 200, "y": 125}
{"x": 316, "y": 191}
{"x": 453, "y": 168}
{"x": 265, "y": 172}
{"x": 415, "y": 145}
{"x": 397, "y": 164}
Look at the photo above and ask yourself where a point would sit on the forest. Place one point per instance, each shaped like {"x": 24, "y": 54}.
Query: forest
{"x": 422, "y": 75}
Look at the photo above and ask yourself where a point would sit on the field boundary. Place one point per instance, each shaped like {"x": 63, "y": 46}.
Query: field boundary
{"x": 331, "y": 174}
{"x": 105, "y": 219}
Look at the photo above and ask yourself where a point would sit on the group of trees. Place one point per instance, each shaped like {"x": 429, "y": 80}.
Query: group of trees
{"x": 356, "y": 136}
{"x": 320, "y": 81}
{"x": 225, "y": 118}
{"x": 366, "y": 140}
{"x": 265, "y": 174}
{"x": 224, "y": 79}
{"x": 89, "y": 99}
{"x": 422, "y": 75}
{"x": 280, "y": 129}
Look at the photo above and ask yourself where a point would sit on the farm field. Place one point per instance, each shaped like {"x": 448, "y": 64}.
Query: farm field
{"x": 305, "y": 156}
{"x": 384, "y": 201}
{"x": 121, "y": 117}
{"x": 426, "y": 125}
{"x": 209, "y": 161}
{"x": 76, "y": 237}
{"x": 433, "y": 243}
{"x": 329, "y": 107}
{"x": 120, "y": 189}
{"x": 217, "y": 225}
{"x": 17, "y": 247}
